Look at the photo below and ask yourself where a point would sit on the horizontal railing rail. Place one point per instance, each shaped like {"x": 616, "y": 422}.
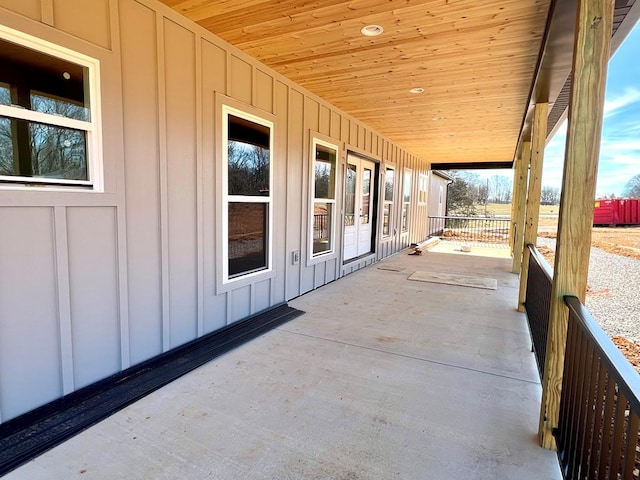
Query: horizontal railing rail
{"x": 538, "y": 303}
{"x": 476, "y": 229}
{"x": 598, "y": 426}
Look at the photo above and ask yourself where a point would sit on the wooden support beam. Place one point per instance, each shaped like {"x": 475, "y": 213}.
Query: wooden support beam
{"x": 586, "y": 109}
{"x": 516, "y": 162}
{"x": 538, "y": 138}
{"x": 520, "y": 184}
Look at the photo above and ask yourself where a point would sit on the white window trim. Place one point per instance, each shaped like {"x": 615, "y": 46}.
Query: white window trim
{"x": 93, "y": 127}
{"x": 391, "y": 202}
{"x": 242, "y": 278}
{"x": 403, "y": 203}
{"x": 322, "y": 256}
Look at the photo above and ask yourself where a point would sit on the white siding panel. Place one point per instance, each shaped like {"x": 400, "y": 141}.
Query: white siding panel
{"x": 241, "y": 80}
{"x": 262, "y": 295}
{"x": 88, "y": 20}
{"x": 93, "y": 281}
{"x": 28, "y": 8}
{"x": 140, "y": 99}
{"x": 30, "y": 370}
{"x": 294, "y": 190}
{"x": 240, "y": 300}
{"x": 179, "y": 48}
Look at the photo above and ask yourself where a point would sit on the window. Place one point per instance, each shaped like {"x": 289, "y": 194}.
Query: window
{"x": 49, "y": 114}
{"x": 324, "y": 197}
{"x": 387, "y": 214}
{"x": 247, "y": 195}
{"x": 406, "y": 200}
{"x": 423, "y": 189}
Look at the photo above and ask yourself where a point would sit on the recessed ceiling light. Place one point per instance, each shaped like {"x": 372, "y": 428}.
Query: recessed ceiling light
{"x": 371, "y": 30}
{"x": 66, "y": 75}
{"x": 417, "y": 90}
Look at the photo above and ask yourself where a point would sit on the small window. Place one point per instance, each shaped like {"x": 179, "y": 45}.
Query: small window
{"x": 406, "y": 200}
{"x": 324, "y": 197}
{"x": 247, "y": 193}
{"x": 423, "y": 189}
{"x": 49, "y": 114}
{"x": 387, "y": 214}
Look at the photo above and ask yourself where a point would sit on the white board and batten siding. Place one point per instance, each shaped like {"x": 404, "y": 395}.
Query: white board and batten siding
{"x": 92, "y": 283}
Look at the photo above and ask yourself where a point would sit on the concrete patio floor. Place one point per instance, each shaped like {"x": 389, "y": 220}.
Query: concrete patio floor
{"x": 382, "y": 378}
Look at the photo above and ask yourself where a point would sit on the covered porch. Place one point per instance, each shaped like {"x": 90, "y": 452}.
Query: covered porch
{"x": 382, "y": 377}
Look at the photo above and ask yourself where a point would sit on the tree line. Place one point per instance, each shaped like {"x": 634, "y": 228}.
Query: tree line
{"x": 468, "y": 193}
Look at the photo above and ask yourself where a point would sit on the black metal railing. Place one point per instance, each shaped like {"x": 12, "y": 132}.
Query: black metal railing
{"x": 597, "y": 434}
{"x": 320, "y": 226}
{"x": 474, "y": 229}
{"x": 538, "y": 303}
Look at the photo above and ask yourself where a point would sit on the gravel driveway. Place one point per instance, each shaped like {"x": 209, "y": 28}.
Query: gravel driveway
{"x": 614, "y": 291}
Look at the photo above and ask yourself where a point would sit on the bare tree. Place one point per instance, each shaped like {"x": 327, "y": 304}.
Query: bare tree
{"x": 632, "y": 188}
{"x": 550, "y": 195}
{"x": 499, "y": 189}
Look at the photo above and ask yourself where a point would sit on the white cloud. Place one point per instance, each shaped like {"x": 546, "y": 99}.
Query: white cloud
{"x": 628, "y": 97}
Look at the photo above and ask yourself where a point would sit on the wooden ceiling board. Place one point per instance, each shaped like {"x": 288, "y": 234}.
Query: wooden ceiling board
{"x": 475, "y": 59}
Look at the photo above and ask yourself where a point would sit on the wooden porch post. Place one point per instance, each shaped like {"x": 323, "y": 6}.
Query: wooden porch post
{"x": 586, "y": 107}
{"x": 520, "y": 183}
{"x": 538, "y": 137}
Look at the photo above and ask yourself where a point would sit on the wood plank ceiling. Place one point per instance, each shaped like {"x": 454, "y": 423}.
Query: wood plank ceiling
{"x": 474, "y": 59}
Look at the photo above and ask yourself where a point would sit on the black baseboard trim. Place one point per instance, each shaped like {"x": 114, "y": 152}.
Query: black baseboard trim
{"x": 27, "y": 436}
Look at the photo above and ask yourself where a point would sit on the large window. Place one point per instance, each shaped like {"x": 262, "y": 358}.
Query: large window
{"x": 324, "y": 197}
{"x": 247, "y": 193}
{"x": 387, "y": 214}
{"x": 49, "y": 114}
{"x": 406, "y": 199}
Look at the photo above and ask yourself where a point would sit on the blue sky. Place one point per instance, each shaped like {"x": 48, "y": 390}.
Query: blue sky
{"x": 620, "y": 145}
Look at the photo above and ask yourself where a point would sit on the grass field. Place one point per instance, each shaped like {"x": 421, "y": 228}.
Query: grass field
{"x": 505, "y": 209}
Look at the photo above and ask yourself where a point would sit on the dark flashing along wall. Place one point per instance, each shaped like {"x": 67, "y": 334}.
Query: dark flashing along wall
{"x": 31, "y": 434}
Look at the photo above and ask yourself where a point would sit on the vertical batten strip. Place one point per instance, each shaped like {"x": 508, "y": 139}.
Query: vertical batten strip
{"x": 121, "y": 218}
{"x": 199, "y": 189}
{"x": 46, "y": 12}
{"x": 64, "y": 298}
{"x": 163, "y": 179}
{"x": 591, "y": 55}
{"x": 123, "y": 288}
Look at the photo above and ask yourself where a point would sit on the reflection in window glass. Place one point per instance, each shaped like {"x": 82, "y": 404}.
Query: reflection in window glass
{"x": 58, "y": 106}
{"x": 366, "y": 196}
{"x": 322, "y": 223}
{"x": 350, "y": 196}
{"x": 248, "y": 157}
{"x": 386, "y": 217}
{"x": 389, "y": 180}
{"x": 6, "y": 147}
{"x": 325, "y": 172}
{"x": 41, "y": 147}
{"x": 388, "y": 184}
{"x": 406, "y": 200}
{"x": 407, "y": 187}
{"x": 58, "y": 152}
{"x": 248, "y": 195}
{"x": 5, "y": 94}
{"x": 324, "y": 194}
{"x": 247, "y": 239}
{"x": 405, "y": 217}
